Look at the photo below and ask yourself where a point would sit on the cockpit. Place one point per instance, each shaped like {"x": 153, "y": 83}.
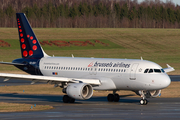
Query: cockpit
{"x": 154, "y": 71}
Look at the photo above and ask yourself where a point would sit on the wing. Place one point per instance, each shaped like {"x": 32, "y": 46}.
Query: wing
{"x": 168, "y": 69}
{"x": 49, "y": 79}
{"x": 10, "y": 63}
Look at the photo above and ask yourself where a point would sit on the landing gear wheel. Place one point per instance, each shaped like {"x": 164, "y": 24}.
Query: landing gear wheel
{"x": 110, "y": 97}
{"x": 116, "y": 98}
{"x": 143, "y": 102}
{"x": 67, "y": 99}
{"x": 72, "y": 100}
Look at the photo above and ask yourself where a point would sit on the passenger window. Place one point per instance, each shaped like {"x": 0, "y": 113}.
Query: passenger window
{"x": 157, "y": 70}
{"x": 151, "y": 71}
{"x": 146, "y": 71}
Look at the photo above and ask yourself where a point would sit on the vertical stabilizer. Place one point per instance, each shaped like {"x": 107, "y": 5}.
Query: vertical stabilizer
{"x": 30, "y": 47}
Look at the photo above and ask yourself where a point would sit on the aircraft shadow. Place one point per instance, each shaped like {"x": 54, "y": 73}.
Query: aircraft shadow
{"x": 14, "y": 97}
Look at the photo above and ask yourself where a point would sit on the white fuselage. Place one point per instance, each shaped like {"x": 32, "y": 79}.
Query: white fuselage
{"x": 114, "y": 74}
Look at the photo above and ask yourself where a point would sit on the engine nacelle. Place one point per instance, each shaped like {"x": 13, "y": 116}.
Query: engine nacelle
{"x": 80, "y": 91}
{"x": 148, "y": 94}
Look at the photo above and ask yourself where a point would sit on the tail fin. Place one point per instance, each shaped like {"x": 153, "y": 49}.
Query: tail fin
{"x": 30, "y": 47}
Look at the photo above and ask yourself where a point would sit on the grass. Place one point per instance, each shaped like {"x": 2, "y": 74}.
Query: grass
{"x": 157, "y": 45}
{"x": 16, "y": 107}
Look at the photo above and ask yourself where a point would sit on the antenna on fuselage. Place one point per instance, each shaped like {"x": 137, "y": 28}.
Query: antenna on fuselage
{"x": 72, "y": 56}
{"x": 141, "y": 58}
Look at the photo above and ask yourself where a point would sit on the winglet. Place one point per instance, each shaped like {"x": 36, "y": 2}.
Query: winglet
{"x": 168, "y": 69}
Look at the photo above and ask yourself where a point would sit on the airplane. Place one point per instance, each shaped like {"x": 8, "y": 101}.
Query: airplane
{"x": 79, "y": 76}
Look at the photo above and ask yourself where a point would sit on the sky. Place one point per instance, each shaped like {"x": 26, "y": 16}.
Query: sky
{"x": 174, "y": 1}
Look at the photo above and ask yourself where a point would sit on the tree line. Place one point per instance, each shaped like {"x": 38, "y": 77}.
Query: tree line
{"x": 92, "y": 13}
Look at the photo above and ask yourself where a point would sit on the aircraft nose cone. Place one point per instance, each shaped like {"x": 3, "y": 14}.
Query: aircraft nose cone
{"x": 166, "y": 81}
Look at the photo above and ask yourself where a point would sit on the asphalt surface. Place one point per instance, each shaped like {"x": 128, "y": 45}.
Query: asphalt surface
{"x": 95, "y": 108}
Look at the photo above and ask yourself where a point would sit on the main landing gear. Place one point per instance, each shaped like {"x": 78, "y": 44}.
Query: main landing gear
{"x": 113, "y": 97}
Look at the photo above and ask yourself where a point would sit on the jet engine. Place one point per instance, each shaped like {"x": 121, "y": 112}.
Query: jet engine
{"x": 80, "y": 91}
{"x": 148, "y": 94}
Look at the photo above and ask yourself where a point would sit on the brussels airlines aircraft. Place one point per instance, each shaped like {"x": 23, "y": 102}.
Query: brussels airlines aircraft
{"x": 80, "y": 76}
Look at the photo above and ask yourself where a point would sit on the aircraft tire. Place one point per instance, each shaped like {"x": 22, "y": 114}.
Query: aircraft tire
{"x": 143, "y": 102}
{"x": 66, "y": 99}
{"x": 72, "y": 100}
{"x": 110, "y": 97}
{"x": 116, "y": 98}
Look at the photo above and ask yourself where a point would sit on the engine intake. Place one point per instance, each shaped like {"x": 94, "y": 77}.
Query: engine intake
{"x": 148, "y": 94}
{"x": 80, "y": 91}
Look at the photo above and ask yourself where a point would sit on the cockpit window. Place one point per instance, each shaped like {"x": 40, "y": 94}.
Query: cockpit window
{"x": 157, "y": 70}
{"x": 146, "y": 71}
{"x": 151, "y": 71}
{"x": 154, "y": 71}
{"x": 162, "y": 70}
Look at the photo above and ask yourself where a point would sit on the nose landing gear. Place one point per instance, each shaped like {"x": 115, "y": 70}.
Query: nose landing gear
{"x": 143, "y": 101}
